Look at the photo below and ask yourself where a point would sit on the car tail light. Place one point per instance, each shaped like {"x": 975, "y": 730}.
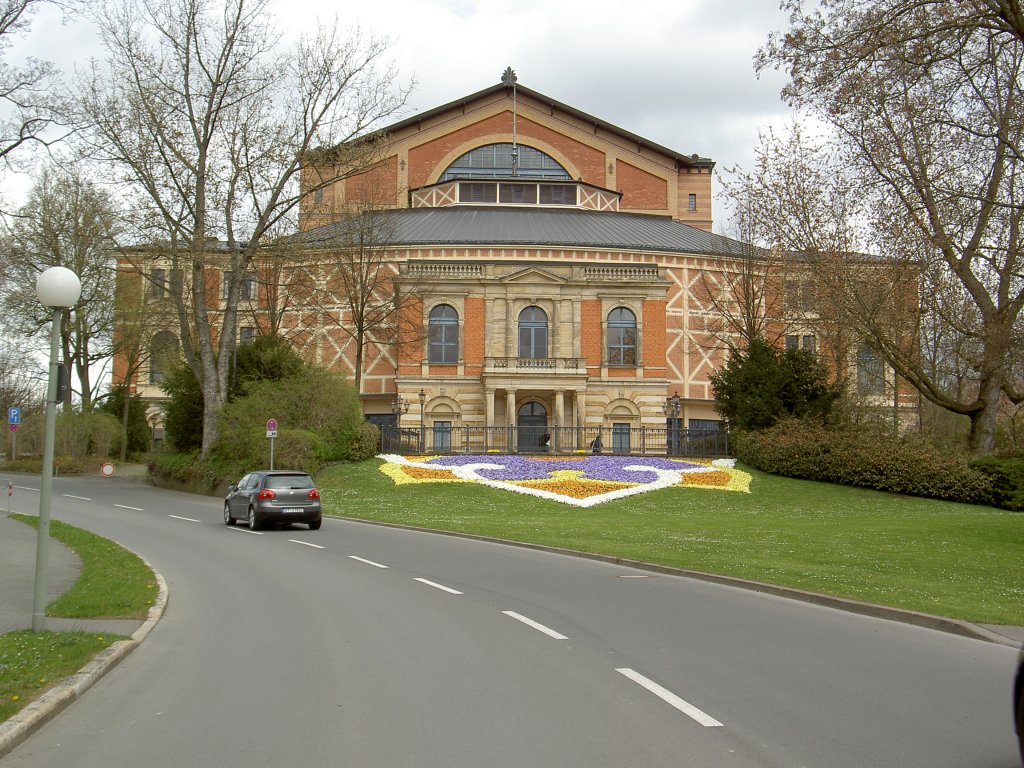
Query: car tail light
{"x": 314, "y": 494}
{"x": 266, "y": 493}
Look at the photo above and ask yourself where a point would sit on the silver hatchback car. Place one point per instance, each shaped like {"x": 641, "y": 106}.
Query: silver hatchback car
{"x": 273, "y": 496}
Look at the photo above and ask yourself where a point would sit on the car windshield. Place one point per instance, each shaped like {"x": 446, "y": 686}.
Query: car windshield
{"x": 283, "y": 482}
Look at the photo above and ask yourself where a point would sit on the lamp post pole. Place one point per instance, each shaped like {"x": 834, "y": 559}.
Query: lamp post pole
{"x": 672, "y": 411}
{"x": 57, "y": 288}
{"x": 423, "y": 434}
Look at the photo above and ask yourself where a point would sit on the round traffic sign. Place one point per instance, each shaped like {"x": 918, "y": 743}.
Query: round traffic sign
{"x": 271, "y": 424}
{"x": 107, "y": 470}
{"x": 13, "y": 427}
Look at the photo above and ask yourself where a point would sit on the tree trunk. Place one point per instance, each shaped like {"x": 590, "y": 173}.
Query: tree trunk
{"x": 982, "y": 438}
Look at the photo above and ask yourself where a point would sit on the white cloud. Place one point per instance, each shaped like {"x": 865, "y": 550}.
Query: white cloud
{"x": 678, "y": 72}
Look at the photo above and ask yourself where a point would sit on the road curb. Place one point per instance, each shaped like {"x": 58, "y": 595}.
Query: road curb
{"x": 19, "y": 727}
{"x": 915, "y": 618}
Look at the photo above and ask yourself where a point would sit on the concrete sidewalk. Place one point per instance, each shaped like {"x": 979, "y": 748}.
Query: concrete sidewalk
{"x": 18, "y": 542}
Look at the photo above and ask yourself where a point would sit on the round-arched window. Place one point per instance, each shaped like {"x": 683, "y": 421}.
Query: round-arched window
{"x": 443, "y": 327}
{"x": 621, "y": 337}
{"x": 533, "y": 333}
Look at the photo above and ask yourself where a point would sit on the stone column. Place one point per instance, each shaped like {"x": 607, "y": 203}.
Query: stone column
{"x": 489, "y": 408}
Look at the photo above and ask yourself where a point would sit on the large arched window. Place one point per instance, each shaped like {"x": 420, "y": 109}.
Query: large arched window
{"x": 621, "y": 337}
{"x": 533, "y": 333}
{"x": 494, "y": 161}
{"x": 163, "y": 354}
{"x": 443, "y": 344}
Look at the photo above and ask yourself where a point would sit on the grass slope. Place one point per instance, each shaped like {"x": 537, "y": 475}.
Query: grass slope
{"x": 953, "y": 560}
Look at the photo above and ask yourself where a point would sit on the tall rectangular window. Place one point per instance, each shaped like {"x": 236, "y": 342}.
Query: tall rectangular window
{"x": 870, "y": 371}
{"x": 692, "y": 201}
{"x": 157, "y": 283}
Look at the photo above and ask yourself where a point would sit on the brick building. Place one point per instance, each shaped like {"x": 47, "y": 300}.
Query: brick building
{"x": 550, "y": 266}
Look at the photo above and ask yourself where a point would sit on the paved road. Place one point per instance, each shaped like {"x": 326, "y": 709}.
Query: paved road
{"x": 357, "y": 645}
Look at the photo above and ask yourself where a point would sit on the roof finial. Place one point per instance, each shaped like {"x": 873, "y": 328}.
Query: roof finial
{"x": 508, "y": 77}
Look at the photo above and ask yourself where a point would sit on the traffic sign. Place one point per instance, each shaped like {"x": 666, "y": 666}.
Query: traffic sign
{"x": 13, "y": 427}
{"x": 14, "y": 415}
{"x": 271, "y": 425}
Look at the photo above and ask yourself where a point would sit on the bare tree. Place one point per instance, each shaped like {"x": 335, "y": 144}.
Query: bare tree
{"x": 794, "y": 207}
{"x": 30, "y": 100}
{"x": 367, "y": 300}
{"x": 67, "y": 221}
{"x": 926, "y": 102}
{"x": 209, "y": 119}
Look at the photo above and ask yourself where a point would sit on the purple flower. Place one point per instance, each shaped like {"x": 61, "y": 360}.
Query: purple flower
{"x": 599, "y": 467}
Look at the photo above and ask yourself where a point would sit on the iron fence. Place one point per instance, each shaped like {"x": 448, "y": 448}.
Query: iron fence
{"x": 640, "y": 441}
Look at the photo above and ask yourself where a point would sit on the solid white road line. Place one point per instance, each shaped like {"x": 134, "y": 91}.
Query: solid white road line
{"x": 686, "y": 708}
{"x": 539, "y": 627}
{"x": 306, "y": 544}
{"x": 133, "y": 509}
{"x": 439, "y": 586}
{"x": 186, "y": 519}
{"x": 80, "y": 498}
{"x": 368, "y": 562}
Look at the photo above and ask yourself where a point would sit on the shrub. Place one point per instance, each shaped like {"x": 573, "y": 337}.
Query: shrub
{"x": 365, "y": 443}
{"x": 1007, "y": 476}
{"x": 863, "y": 458}
{"x": 318, "y": 404}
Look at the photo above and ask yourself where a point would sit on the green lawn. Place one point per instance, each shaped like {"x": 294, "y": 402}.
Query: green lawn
{"x": 947, "y": 559}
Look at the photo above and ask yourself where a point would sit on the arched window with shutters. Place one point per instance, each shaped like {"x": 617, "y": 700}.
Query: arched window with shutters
{"x": 443, "y": 339}
{"x": 621, "y": 337}
{"x": 533, "y": 333}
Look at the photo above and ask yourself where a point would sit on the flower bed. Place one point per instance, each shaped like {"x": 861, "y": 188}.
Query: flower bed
{"x": 578, "y": 480}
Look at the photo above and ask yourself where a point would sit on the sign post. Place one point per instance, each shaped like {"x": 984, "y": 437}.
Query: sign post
{"x": 13, "y": 421}
{"x": 271, "y": 433}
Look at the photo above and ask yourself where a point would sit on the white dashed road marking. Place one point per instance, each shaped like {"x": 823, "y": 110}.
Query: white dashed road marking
{"x": 539, "y": 627}
{"x": 439, "y": 586}
{"x": 186, "y": 519}
{"x": 133, "y": 509}
{"x": 666, "y": 695}
{"x": 368, "y": 562}
{"x": 306, "y": 544}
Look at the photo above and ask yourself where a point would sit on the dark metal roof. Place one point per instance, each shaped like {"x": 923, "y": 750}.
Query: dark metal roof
{"x": 539, "y": 227}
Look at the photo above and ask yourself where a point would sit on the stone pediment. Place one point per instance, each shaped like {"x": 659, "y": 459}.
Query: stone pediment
{"x": 533, "y": 276}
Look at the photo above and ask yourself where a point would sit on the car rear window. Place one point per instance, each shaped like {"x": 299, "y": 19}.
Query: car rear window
{"x": 281, "y": 482}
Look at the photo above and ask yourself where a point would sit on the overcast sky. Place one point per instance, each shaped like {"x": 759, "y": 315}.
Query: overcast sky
{"x": 677, "y": 72}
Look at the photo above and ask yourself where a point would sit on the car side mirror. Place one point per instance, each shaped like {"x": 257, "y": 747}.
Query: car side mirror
{"x": 232, "y": 488}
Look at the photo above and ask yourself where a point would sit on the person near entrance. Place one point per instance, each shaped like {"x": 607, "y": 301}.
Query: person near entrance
{"x": 545, "y": 442}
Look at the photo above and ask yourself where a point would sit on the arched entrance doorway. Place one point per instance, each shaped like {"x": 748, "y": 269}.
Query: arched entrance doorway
{"x": 531, "y": 426}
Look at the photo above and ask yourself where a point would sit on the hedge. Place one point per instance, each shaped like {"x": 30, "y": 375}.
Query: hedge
{"x": 864, "y": 458}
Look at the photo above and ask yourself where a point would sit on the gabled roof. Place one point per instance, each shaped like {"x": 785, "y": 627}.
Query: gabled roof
{"x": 690, "y": 161}
{"x": 538, "y": 227}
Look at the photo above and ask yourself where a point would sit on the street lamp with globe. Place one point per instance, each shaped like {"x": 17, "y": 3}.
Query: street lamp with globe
{"x": 57, "y": 288}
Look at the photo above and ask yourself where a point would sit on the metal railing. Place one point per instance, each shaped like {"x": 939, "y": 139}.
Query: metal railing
{"x": 640, "y": 441}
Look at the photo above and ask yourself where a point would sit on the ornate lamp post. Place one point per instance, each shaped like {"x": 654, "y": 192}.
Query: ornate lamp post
{"x": 672, "y": 411}
{"x": 423, "y": 434}
{"x": 57, "y": 288}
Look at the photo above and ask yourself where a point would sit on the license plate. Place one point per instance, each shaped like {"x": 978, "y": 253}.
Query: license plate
{"x": 292, "y": 510}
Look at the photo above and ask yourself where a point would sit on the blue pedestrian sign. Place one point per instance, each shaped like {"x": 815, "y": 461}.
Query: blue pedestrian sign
{"x": 14, "y": 415}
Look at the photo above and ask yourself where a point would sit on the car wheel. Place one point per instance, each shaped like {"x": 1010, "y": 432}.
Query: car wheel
{"x": 315, "y": 525}
{"x": 251, "y": 519}
{"x": 228, "y": 519}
